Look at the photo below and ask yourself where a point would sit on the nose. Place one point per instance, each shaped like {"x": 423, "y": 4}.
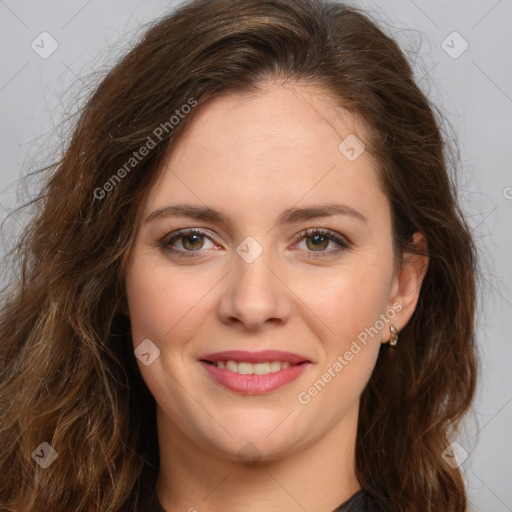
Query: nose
{"x": 255, "y": 294}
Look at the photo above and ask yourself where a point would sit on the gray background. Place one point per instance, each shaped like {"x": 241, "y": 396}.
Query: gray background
{"x": 474, "y": 91}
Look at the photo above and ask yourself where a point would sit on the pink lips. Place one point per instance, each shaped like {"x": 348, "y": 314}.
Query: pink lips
{"x": 254, "y": 384}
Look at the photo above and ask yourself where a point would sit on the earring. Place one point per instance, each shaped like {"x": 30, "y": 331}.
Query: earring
{"x": 394, "y": 335}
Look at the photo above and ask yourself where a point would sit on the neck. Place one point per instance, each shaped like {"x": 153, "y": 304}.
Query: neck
{"x": 318, "y": 477}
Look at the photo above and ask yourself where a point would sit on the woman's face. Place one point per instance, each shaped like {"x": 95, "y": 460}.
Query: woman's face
{"x": 271, "y": 167}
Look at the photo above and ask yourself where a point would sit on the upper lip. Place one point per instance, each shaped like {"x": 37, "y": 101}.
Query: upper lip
{"x": 255, "y": 357}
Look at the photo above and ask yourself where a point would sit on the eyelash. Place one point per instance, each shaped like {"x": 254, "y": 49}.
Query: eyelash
{"x": 342, "y": 242}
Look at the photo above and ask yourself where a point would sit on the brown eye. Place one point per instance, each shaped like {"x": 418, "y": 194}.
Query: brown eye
{"x": 187, "y": 242}
{"x": 192, "y": 242}
{"x": 318, "y": 242}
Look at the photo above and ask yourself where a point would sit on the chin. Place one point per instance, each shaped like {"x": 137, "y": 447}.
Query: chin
{"x": 248, "y": 443}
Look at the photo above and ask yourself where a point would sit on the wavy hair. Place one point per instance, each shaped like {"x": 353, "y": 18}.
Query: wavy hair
{"x": 68, "y": 375}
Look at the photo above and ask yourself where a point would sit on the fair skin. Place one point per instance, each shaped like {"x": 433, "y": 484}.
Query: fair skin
{"x": 250, "y": 158}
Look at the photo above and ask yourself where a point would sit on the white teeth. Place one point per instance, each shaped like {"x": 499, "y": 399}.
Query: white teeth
{"x": 275, "y": 366}
{"x": 244, "y": 368}
{"x": 264, "y": 368}
{"x": 232, "y": 366}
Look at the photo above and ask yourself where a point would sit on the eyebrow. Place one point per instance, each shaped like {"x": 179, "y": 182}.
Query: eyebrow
{"x": 288, "y": 216}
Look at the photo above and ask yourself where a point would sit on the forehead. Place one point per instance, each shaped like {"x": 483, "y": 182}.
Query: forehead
{"x": 268, "y": 148}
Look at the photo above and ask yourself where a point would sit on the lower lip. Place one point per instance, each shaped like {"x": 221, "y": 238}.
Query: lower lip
{"x": 254, "y": 384}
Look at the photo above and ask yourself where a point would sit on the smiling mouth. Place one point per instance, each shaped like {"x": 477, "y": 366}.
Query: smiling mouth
{"x": 250, "y": 378}
{"x": 247, "y": 368}
{"x": 254, "y": 373}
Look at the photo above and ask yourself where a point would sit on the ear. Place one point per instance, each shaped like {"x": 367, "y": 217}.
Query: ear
{"x": 406, "y": 286}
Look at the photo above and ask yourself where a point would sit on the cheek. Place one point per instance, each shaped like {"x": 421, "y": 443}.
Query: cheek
{"x": 149, "y": 303}
{"x": 349, "y": 307}
{"x": 163, "y": 303}
{"x": 349, "y": 302}
{"x": 349, "y": 299}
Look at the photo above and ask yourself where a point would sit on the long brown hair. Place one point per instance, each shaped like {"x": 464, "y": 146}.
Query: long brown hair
{"x": 69, "y": 376}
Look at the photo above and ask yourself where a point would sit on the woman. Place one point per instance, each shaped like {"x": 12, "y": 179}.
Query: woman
{"x": 248, "y": 284}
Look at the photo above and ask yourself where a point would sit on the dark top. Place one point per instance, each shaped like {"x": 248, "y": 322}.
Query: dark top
{"x": 361, "y": 501}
